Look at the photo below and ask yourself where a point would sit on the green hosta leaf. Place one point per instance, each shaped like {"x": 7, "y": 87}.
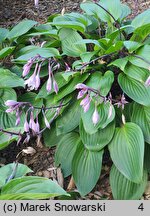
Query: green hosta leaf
{"x": 3, "y": 34}
{"x": 137, "y": 73}
{"x": 86, "y": 168}
{"x": 70, "y": 24}
{"x": 44, "y": 52}
{"x": 7, "y": 120}
{"x": 120, "y": 63}
{"x": 70, "y": 119}
{"x": 6, "y": 139}
{"x": 98, "y": 140}
{"x": 115, "y": 47}
{"x": 141, "y": 116}
{"x": 65, "y": 151}
{"x": 9, "y": 79}
{"x": 132, "y": 45}
{"x": 101, "y": 82}
{"x": 103, "y": 110}
{"x": 50, "y": 136}
{"x": 144, "y": 53}
{"x": 8, "y": 169}
{"x": 127, "y": 151}
{"x": 31, "y": 97}
{"x": 141, "y": 33}
{"x": 124, "y": 189}
{"x": 60, "y": 81}
{"x": 135, "y": 89}
{"x": 6, "y": 51}
{"x": 114, "y": 7}
{"x": 6, "y": 94}
{"x": 141, "y": 20}
{"x": 31, "y": 187}
{"x": 70, "y": 87}
{"x": 68, "y": 38}
{"x": 21, "y": 28}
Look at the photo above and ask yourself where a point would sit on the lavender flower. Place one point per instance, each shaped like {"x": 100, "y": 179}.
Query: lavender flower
{"x": 26, "y": 126}
{"x": 27, "y": 67}
{"x": 32, "y": 124}
{"x": 81, "y": 86}
{"x": 11, "y": 103}
{"x": 18, "y": 115}
{"x": 81, "y": 93}
{"x": 85, "y": 103}
{"x": 147, "y": 82}
{"x": 55, "y": 86}
{"x": 95, "y": 117}
{"x": 122, "y": 102}
{"x": 45, "y": 120}
{"x": 31, "y": 82}
{"x": 49, "y": 84}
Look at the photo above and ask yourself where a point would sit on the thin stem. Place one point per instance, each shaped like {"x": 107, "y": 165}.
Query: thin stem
{"x": 116, "y": 21}
{"x": 143, "y": 59}
{"x": 10, "y": 132}
{"x": 93, "y": 61}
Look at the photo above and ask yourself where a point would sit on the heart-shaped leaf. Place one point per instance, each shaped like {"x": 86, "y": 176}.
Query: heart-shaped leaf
{"x": 31, "y": 187}
{"x": 141, "y": 116}
{"x": 103, "y": 111}
{"x": 65, "y": 151}
{"x": 86, "y": 168}
{"x": 124, "y": 189}
{"x": 135, "y": 89}
{"x": 127, "y": 151}
{"x": 98, "y": 140}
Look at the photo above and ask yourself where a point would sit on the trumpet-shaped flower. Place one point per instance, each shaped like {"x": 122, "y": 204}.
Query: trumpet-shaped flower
{"x": 95, "y": 117}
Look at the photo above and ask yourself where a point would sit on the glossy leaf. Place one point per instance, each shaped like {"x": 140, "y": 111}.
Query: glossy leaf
{"x": 6, "y": 51}
{"x": 127, "y": 151}
{"x": 50, "y": 136}
{"x": 144, "y": 54}
{"x": 98, "y": 140}
{"x": 31, "y": 187}
{"x": 124, "y": 189}
{"x": 101, "y": 82}
{"x": 6, "y": 139}
{"x": 7, "y": 170}
{"x": 9, "y": 79}
{"x": 43, "y": 52}
{"x": 65, "y": 151}
{"x": 137, "y": 73}
{"x": 141, "y": 20}
{"x": 70, "y": 87}
{"x": 3, "y": 34}
{"x": 86, "y": 168}
{"x": 132, "y": 45}
{"x": 21, "y": 28}
{"x": 141, "y": 116}
{"x": 68, "y": 38}
{"x": 70, "y": 118}
{"x": 135, "y": 89}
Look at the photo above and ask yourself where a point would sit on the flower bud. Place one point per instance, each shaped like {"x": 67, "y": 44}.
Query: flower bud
{"x": 95, "y": 117}
{"x": 55, "y": 85}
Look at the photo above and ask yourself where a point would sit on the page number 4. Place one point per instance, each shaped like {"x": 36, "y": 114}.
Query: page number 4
{"x": 141, "y": 207}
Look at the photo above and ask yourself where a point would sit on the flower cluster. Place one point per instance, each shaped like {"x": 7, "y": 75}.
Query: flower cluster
{"x": 85, "y": 94}
{"x": 17, "y": 107}
{"x": 33, "y": 82}
{"x": 31, "y": 124}
{"x": 85, "y": 102}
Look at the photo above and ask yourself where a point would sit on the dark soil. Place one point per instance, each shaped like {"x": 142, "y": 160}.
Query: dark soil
{"x": 11, "y": 12}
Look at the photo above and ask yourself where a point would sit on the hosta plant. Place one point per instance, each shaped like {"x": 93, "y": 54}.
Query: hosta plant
{"x": 82, "y": 82}
{"x": 14, "y": 185}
